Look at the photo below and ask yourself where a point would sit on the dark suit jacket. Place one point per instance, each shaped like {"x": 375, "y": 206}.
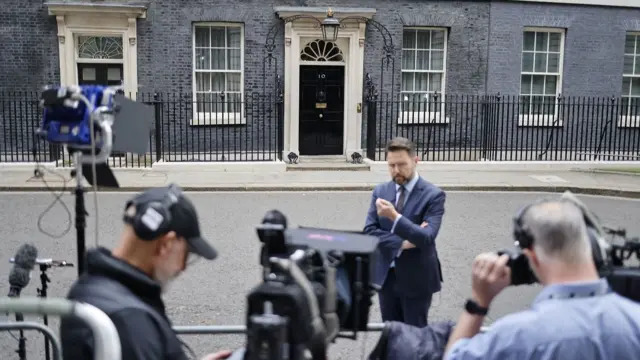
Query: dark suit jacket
{"x": 418, "y": 270}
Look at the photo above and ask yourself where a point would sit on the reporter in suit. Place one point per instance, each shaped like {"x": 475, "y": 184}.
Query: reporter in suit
{"x": 405, "y": 214}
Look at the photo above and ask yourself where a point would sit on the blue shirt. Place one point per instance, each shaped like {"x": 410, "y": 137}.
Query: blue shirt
{"x": 407, "y": 190}
{"x": 581, "y": 321}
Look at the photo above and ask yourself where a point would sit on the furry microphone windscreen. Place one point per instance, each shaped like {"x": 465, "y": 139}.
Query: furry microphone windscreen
{"x": 26, "y": 257}
{"x": 19, "y": 277}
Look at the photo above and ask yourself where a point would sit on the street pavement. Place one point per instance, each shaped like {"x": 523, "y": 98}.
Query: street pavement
{"x": 214, "y": 293}
{"x": 523, "y": 177}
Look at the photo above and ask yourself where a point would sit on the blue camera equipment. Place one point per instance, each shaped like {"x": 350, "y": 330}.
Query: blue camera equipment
{"x": 85, "y": 120}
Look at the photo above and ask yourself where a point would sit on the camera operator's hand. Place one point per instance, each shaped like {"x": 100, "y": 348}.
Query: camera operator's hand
{"x": 218, "y": 356}
{"x": 490, "y": 275}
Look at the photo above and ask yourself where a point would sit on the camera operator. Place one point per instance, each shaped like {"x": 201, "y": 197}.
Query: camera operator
{"x": 575, "y": 316}
{"x": 161, "y": 231}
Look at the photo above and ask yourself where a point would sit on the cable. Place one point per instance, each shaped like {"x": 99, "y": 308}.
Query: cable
{"x": 38, "y": 173}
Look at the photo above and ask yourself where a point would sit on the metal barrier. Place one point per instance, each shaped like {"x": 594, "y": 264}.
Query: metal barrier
{"x": 46, "y": 331}
{"x": 107, "y": 341}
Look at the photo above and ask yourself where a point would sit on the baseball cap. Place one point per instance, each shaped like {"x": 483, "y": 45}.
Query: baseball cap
{"x": 184, "y": 218}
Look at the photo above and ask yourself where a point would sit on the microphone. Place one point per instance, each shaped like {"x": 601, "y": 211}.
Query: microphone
{"x": 20, "y": 273}
{"x": 49, "y": 262}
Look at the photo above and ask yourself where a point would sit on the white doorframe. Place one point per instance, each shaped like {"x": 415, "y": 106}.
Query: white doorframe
{"x": 104, "y": 20}
{"x": 351, "y": 42}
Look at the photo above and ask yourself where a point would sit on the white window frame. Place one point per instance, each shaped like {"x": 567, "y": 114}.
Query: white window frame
{"x": 543, "y": 120}
{"x": 631, "y": 121}
{"x": 219, "y": 118}
{"x": 426, "y": 117}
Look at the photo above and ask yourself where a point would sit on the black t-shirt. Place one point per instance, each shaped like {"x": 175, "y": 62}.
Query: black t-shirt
{"x": 133, "y": 302}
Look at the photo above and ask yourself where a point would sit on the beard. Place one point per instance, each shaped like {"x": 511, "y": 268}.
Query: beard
{"x": 400, "y": 180}
{"x": 164, "y": 278}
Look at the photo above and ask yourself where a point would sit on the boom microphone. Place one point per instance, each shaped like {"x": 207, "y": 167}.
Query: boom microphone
{"x": 18, "y": 280}
{"x": 19, "y": 275}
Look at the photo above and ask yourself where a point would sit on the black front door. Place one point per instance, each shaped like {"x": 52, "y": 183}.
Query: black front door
{"x": 321, "y": 110}
{"x": 100, "y": 74}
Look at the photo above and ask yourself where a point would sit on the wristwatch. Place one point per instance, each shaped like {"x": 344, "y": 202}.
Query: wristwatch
{"x": 473, "y": 308}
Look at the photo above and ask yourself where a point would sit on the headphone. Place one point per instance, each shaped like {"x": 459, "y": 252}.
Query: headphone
{"x": 524, "y": 238}
{"x": 152, "y": 219}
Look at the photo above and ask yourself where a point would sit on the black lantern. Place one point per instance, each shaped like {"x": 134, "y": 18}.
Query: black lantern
{"x": 330, "y": 26}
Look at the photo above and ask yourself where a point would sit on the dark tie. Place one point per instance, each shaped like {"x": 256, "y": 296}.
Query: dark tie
{"x": 401, "y": 199}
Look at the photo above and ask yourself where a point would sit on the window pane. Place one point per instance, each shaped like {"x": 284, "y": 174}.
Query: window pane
{"x": 233, "y": 62}
{"x": 217, "y": 59}
{"x": 203, "y": 102}
{"x": 203, "y": 81}
{"x": 527, "y": 62}
{"x": 217, "y": 37}
{"x": 233, "y": 104}
{"x": 435, "y": 82}
{"x": 437, "y": 39}
{"x": 233, "y": 82}
{"x": 407, "y": 81}
{"x": 554, "y": 42}
{"x": 637, "y": 72}
{"x": 550, "y": 85}
{"x": 217, "y": 82}
{"x": 437, "y": 60}
{"x": 233, "y": 37}
{"x": 203, "y": 59}
{"x": 635, "y": 87}
{"x": 543, "y": 105}
{"x": 628, "y": 65}
{"x": 424, "y": 41}
{"x": 528, "y": 40}
{"x": 408, "y": 59}
{"x": 540, "y": 62}
{"x": 538, "y": 85}
{"x": 629, "y": 44}
{"x": 422, "y": 82}
{"x": 422, "y": 62}
{"x": 553, "y": 66}
{"x": 525, "y": 84}
{"x": 202, "y": 37}
{"x": 409, "y": 39}
{"x": 541, "y": 41}
{"x": 626, "y": 86}
{"x": 634, "y": 107}
{"x": 525, "y": 105}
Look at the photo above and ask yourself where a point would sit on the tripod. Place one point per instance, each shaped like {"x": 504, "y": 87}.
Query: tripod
{"x": 42, "y": 292}
{"x": 81, "y": 212}
{"x": 22, "y": 341}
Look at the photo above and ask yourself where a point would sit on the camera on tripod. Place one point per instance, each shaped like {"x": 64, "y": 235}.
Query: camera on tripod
{"x": 316, "y": 288}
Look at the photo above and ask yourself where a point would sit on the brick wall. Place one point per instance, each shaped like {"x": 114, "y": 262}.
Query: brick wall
{"x": 483, "y": 55}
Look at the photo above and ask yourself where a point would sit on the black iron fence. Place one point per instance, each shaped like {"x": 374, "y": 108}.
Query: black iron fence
{"x": 204, "y": 127}
{"x": 230, "y": 127}
{"x": 506, "y": 128}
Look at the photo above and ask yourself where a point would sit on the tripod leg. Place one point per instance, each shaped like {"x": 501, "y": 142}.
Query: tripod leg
{"x": 81, "y": 213}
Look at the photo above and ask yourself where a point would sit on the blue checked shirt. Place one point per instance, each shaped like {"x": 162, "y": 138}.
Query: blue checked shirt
{"x": 575, "y": 321}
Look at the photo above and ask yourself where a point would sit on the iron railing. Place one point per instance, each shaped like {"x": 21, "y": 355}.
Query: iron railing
{"x": 506, "y": 128}
{"x": 230, "y": 127}
{"x": 211, "y": 127}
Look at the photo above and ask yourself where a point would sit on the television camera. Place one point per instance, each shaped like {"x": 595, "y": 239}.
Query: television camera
{"x": 316, "y": 288}
{"x": 608, "y": 256}
{"x": 86, "y": 119}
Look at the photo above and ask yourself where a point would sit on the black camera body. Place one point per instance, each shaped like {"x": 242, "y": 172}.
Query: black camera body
{"x": 608, "y": 256}
{"x": 316, "y": 288}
